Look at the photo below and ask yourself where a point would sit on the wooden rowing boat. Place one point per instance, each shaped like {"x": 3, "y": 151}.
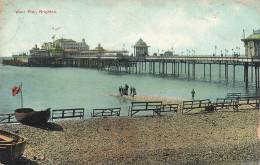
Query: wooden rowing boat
{"x": 12, "y": 146}
{"x": 30, "y": 117}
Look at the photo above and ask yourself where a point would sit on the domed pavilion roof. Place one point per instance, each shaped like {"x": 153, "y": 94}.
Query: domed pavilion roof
{"x": 254, "y": 36}
{"x": 140, "y": 43}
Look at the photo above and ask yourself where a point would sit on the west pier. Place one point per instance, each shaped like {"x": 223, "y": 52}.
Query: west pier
{"x": 69, "y": 53}
{"x": 174, "y": 65}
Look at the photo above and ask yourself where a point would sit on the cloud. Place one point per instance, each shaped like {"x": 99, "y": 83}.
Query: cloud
{"x": 188, "y": 24}
{"x": 177, "y": 29}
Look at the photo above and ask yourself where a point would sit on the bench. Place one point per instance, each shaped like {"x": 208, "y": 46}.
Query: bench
{"x": 68, "y": 113}
{"x": 195, "y": 104}
{"x": 170, "y": 108}
{"x": 226, "y": 103}
{"x": 248, "y": 100}
{"x": 7, "y": 118}
{"x": 106, "y": 112}
{"x": 233, "y": 95}
{"x": 154, "y": 106}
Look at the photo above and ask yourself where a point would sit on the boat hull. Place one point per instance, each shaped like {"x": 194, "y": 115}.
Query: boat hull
{"x": 28, "y": 116}
{"x": 11, "y": 150}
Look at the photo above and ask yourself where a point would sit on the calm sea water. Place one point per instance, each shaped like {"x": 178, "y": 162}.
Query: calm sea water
{"x": 60, "y": 88}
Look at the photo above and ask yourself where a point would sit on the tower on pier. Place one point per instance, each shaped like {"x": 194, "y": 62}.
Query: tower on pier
{"x": 140, "y": 49}
{"x": 252, "y": 44}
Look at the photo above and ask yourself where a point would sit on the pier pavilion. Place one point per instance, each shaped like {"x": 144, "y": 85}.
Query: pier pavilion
{"x": 252, "y": 44}
{"x": 140, "y": 49}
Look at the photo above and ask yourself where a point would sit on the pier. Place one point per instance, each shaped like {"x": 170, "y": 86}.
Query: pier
{"x": 172, "y": 65}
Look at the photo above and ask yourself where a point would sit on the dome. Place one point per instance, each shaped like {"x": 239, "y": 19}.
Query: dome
{"x": 141, "y": 43}
{"x": 254, "y": 36}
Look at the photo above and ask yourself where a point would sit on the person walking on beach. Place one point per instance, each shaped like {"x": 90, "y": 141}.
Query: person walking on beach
{"x": 120, "y": 90}
{"x": 134, "y": 91}
{"x": 126, "y": 89}
{"x": 192, "y": 94}
{"x": 131, "y": 90}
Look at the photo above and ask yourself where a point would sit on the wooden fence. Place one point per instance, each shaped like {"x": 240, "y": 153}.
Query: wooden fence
{"x": 106, "y": 112}
{"x": 68, "y": 113}
{"x": 7, "y": 118}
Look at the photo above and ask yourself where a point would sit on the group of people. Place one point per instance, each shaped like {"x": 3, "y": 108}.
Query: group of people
{"x": 124, "y": 91}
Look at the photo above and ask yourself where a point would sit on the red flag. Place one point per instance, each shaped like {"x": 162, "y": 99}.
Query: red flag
{"x": 16, "y": 90}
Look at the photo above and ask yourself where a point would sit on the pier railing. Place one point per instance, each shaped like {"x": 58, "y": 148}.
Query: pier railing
{"x": 206, "y": 58}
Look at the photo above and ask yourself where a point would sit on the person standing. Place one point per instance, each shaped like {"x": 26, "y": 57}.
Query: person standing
{"x": 120, "y": 90}
{"x": 134, "y": 91}
{"x": 126, "y": 89}
{"x": 131, "y": 90}
{"x": 193, "y": 94}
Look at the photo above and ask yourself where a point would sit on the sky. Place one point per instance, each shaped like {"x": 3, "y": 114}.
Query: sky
{"x": 179, "y": 25}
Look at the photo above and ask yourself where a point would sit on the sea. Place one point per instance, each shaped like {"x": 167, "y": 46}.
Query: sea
{"x": 71, "y": 87}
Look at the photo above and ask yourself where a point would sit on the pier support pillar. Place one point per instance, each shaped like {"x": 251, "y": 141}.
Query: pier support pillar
{"x": 166, "y": 68}
{"x": 172, "y": 67}
{"x": 246, "y": 73}
{"x": 185, "y": 68}
{"x": 204, "y": 71}
{"x": 210, "y": 71}
{"x": 234, "y": 72}
{"x": 188, "y": 70}
{"x": 178, "y": 69}
{"x": 193, "y": 70}
{"x": 159, "y": 67}
{"x": 219, "y": 71}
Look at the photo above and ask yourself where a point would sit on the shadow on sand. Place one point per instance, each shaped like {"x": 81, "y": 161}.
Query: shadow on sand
{"x": 50, "y": 126}
{"x": 25, "y": 161}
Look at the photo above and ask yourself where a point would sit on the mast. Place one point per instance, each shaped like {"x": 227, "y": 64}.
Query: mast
{"x": 21, "y": 94}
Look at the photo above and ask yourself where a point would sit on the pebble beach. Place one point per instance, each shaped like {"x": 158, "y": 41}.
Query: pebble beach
{"x": 204, "y": 138}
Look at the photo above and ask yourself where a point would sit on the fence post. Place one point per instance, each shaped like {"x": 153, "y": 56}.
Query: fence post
{"x": 9, "y": 118}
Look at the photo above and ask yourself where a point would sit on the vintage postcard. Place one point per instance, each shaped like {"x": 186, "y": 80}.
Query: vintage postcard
{"x": 129, "y": 82}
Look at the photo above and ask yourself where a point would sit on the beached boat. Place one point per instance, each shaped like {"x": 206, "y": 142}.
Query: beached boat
{"x": 12, "y": 146}
{"x": 30, "y": 117}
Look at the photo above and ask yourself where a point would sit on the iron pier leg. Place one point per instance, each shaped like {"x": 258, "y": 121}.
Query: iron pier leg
{"x": 210, "y": 71}
{"x": 204, "y": 71}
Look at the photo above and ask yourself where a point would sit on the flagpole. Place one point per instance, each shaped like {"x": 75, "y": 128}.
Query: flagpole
{"x": 22, "y": 94}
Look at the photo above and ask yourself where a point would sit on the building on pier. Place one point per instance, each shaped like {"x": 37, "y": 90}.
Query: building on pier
{"x": 35, "y": 51}
{"x": 100, "y": 51}
{"x": 71, "y": 44}
{"x": 252, "y": 44}
{"x": 168, "y": 53}
{"x": 140, "y": 49}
